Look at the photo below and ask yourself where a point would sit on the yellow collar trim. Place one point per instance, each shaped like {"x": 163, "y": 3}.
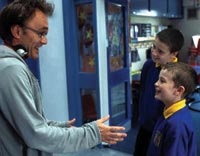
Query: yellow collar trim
{"x": 175, "y": 59}
{"x": 174, "y": 108}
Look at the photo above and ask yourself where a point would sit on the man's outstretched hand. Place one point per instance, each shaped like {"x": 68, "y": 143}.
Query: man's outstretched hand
{"x": 110, "y": 134}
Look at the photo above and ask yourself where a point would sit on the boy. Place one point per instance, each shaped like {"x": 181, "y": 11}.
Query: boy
{"x": 165, "y": 49}
{"x": 173, "y": 134}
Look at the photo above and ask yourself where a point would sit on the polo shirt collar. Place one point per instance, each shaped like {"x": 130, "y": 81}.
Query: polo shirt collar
{"x": 174, "y": 108}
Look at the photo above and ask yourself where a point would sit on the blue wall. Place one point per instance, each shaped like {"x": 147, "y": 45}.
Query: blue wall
{"x": 52, "y": 68}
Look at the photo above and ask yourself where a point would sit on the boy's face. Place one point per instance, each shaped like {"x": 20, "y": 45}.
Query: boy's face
{"x": 165, "y": 88}
{"x": 160, "y": 53}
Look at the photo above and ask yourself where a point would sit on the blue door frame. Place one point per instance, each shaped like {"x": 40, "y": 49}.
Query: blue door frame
{"x": 74, "y": 101}
{"x": 77, "y": 80}
{"x": 121, "y": 76}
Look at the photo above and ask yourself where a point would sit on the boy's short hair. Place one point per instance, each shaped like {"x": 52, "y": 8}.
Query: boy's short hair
{"x": 171, "y": 37}
{"x": 182, "y": 75}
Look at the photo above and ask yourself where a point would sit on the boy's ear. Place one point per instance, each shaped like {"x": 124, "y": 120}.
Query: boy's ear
{"x": 176, "y": 53}
{"x": 180, "y": 90}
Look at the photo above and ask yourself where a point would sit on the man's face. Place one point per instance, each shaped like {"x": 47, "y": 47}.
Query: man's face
{"x": 160, "y": 53}
{"x": 34, "y": 34}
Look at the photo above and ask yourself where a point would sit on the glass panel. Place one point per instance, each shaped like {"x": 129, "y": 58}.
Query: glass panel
{"x": 86, "y": 37}
{"x": 115, "y": 35}
{"x": 118, "y": 100}
{"x": 88, "y": 97}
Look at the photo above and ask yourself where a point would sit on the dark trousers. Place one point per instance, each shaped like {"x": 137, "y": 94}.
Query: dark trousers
{"x": 142, "y": 142}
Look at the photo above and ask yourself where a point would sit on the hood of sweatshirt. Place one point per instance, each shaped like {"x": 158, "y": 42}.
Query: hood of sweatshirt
{"x": 6, "y": 52}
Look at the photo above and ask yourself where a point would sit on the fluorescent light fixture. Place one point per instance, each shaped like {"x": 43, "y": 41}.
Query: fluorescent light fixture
{"x": 146, "y": 13}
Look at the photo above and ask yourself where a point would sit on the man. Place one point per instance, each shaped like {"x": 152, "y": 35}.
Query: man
{"x": 24, "y": 129}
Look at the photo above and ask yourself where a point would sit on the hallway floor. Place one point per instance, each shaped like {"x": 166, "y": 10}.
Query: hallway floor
{"x": 96, "y": 152}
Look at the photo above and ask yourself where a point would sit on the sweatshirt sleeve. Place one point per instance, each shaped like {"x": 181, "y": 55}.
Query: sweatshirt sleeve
{"x": 22, "y": 109}
{"x": 57, "y": 123}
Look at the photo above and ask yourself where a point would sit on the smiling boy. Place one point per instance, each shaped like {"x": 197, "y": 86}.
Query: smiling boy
{"x": 173, "y": 134}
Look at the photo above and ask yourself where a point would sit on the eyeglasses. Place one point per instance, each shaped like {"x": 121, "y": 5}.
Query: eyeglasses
{"x": 39, "y": 33}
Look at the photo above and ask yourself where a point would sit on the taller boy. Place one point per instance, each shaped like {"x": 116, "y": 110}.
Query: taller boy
{"x": 165, "y": 49}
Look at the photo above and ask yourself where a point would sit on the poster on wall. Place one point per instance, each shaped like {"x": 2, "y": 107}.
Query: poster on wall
{"x": 86, "y": 37}
{"x": 115, "y": 35}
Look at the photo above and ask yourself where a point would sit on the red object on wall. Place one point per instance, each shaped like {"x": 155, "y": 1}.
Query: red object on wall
{"x": 198, "y": 46}
{"x": 89, "y": 108}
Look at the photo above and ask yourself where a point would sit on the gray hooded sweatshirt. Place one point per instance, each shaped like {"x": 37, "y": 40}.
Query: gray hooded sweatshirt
{"x": 24, "y": 131}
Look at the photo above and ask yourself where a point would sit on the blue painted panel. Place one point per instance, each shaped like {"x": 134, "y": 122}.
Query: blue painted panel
{"x": 175, "y": 8}
{"x": 138, "y": 5}
{"x": 72, "y": 66}
{"x": 2, "y": 3}
{"x": 159, "y": 6}
{"x": 34, "y": 67}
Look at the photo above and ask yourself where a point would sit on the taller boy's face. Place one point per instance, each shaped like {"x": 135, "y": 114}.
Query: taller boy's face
{"x": 160, "y": 53}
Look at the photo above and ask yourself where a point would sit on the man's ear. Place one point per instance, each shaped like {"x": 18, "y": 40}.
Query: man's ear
{"x": 16, "y": 31}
